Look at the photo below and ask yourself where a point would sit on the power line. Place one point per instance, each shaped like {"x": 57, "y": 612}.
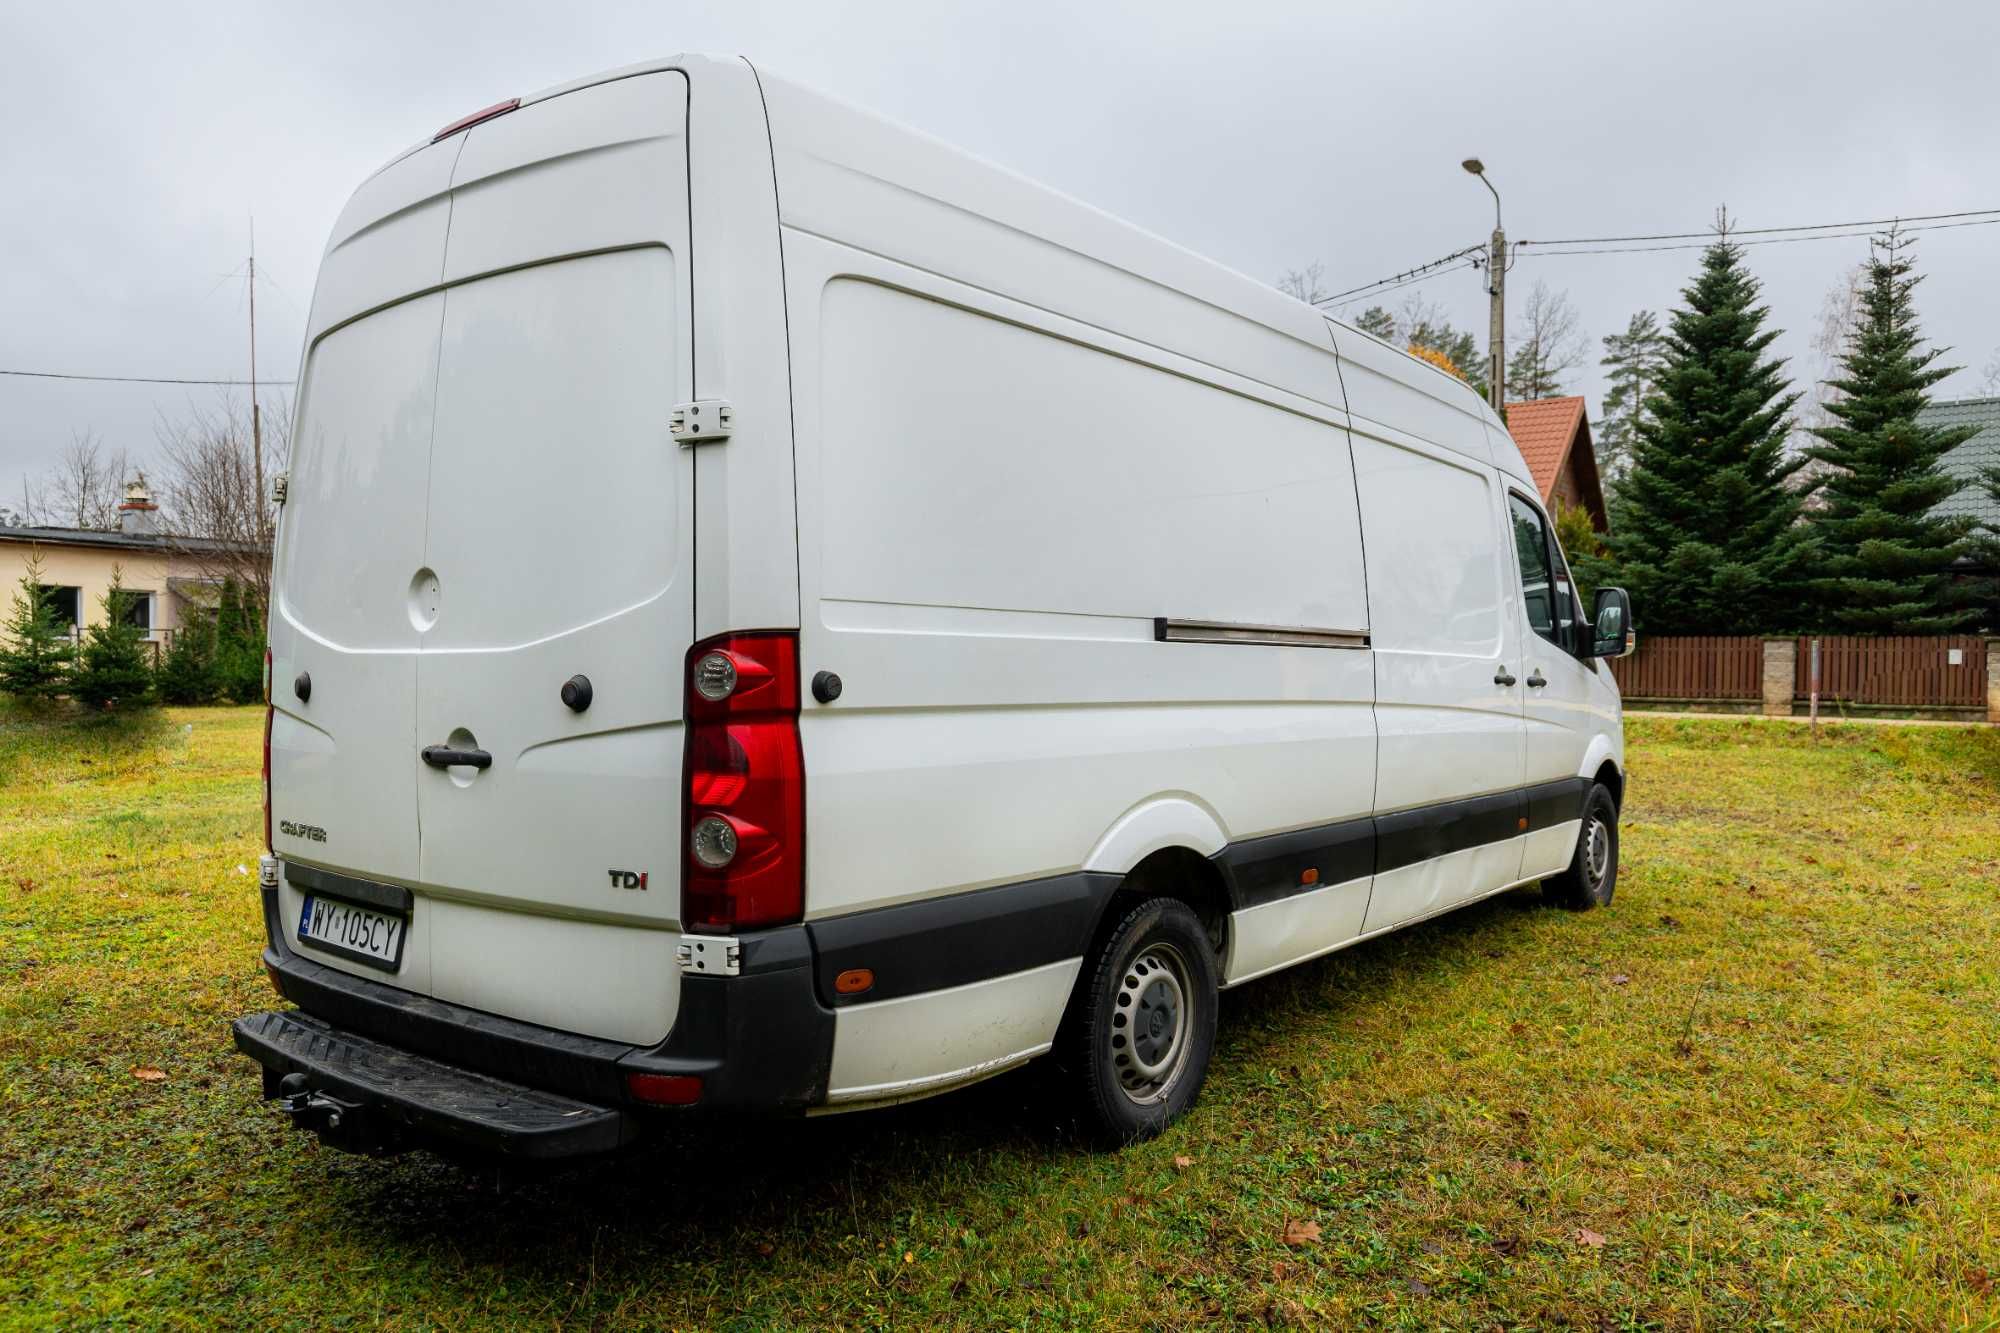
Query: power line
{"x": 1766, "y": 231}
{"x": 128, "y": 379}
{"x": 1867, "y": 230}
{"x": 1403, "y": 279}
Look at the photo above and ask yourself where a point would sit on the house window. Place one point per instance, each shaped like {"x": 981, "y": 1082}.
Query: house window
{"x": 66, "y": 604}
{"x": 139, "y": 611}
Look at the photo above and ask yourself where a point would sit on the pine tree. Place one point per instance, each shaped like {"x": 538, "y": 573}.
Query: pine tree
{"x": 35, "y": 658}
{"x": 1377, "y": 321}
{"x": 1887, "y": 556}
{"x": 1707, "y": 537}
{"x": 1632, "y": 364}
{"x": 111, "y": 669}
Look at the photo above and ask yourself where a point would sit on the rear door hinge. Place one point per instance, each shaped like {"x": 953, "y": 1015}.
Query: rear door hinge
{"x": 702, "y": 420}
{"x": 281, "y": 484}
{"x": 709, "y": 955}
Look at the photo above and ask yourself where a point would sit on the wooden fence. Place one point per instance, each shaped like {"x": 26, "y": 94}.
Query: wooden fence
{"x": 1900, "y": 671}
{"x": 1944, "y": 671}
{"x": 1694, "y": 667}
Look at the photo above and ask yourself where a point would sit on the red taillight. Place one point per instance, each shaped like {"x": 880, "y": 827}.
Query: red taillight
{"x": 744, "y": 802}
{"x": 665, "y": 1089}
{"x": 467, "y": 122}
{"x": 267, "y": 750}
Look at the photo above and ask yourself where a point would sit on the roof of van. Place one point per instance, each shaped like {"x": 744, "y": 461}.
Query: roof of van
{"x": 1388, "y": 382}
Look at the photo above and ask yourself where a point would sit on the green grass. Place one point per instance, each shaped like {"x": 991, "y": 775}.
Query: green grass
{"x": 1766, "y": 1077}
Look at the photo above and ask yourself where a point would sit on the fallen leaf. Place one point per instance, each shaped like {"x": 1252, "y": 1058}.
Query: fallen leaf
{"x": 1298, "y": 1231}
{"x": 1183, "y": 1162}
{"x": 1418, "y": 1287}
{"x": 909, "y": 1256}
{"x": 1977, "y": 1279}
{"x": 146, "y": 1074}
{"x": 1585, "y": 1236}
{"x": 1506, "y": 1246}
{"x": 1518, "y": 1029}
{"x": 765, "y": 1249}
{"x": 1278, "y": 1273}
{"x": 1671, "y": 922}
{"x": 1619, "y": 979}
{"x": 1906, "y": 1198}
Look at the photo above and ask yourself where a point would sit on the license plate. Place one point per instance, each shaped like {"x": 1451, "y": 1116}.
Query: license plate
{"x": 361, "y": 933}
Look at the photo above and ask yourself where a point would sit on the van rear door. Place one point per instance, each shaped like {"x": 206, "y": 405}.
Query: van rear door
{"x": 343, "y": 758}
{"x": 559, "y": 533}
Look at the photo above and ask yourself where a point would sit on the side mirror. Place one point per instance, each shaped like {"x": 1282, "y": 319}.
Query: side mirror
{"x": 1612, "y": 625}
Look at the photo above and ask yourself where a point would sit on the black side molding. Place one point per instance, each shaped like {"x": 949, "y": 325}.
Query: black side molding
{"x": 963, "y": 937}
{"x": 1265, "y": 870}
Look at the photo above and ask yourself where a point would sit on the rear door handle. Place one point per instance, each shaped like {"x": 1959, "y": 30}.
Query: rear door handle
{"x": 443, "y": 756}
{"x": 1535, "y": 681}
{"x": 1503, "y": 677}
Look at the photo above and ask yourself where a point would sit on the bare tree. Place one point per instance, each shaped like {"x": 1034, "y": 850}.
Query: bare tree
{"x": 1305, "y": 284}
{"x": 82, "y": 490}
{"x": 1548, "y": 346}
{"x": 1989, "y": 375}
{"x": 214, "y": 512}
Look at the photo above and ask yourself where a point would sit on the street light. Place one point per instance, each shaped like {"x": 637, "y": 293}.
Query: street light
{"x": 1496, "y": 288}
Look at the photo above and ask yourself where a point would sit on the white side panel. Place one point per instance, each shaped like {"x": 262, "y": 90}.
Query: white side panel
{"x": 1432, "y": 886}
{"x": 976, "y": 462}
{"x": 1547, "y": 851}
{"x": 994, "y": 504}
{"x": 932, "y": 1041}
{"x": 1387, "y": 387}
{"x": 1277, "y": 934}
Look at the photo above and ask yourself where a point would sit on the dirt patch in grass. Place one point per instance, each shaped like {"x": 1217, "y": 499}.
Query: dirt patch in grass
{"x": 1760, "y": 1089}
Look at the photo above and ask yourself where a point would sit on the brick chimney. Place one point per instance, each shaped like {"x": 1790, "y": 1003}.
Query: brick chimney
{"x": 138, "y": 516}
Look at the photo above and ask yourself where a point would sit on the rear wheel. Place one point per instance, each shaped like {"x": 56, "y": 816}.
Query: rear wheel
{"x": 1593, "y": 871}
{"x": 1138, "y": 1046}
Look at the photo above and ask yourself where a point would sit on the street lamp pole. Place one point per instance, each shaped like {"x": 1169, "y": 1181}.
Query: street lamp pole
{"x": 1496, "y": 288}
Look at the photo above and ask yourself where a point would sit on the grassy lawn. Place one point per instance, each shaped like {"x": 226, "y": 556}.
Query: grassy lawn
{"x": 1762, "y": 1089}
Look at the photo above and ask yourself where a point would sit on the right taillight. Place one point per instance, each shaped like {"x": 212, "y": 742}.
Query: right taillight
{"x": 743, "y": 803}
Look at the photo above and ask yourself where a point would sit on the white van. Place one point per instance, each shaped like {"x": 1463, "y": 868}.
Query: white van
{"x": 775, "y": 614}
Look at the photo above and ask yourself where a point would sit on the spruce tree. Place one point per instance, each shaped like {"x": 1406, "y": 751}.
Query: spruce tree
{"x": 1887, "y": 557}
{"x": 187, "y": 673}
{"x": 1707, "y": 536}
{"x": 239, "y": 646}
{"x": 111, "y": 669}
{"x": 35, "y": 656}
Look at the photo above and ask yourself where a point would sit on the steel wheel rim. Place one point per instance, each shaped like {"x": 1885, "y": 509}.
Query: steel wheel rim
{"x": 1150, "y": 1023}
{"x": 1596, "y": 851}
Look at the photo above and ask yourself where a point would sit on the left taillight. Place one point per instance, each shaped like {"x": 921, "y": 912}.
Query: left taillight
{"x": 743, "y": 799}
{"x": 267, "y": 751}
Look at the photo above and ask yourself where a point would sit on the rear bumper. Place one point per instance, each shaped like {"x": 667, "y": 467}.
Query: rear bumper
{"x": 451, "y": 1076}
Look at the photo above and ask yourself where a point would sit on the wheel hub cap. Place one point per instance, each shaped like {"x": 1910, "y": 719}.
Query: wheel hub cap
{"x": 1149, "y": 1024}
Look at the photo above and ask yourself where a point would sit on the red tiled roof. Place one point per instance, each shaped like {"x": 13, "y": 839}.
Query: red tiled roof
{"x": 1545, "y": 429}
{"x": 1553, "y": 433}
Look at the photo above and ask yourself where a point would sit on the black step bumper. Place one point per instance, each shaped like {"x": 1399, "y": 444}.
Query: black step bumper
{"x": 363, "y": 1093}
{"x": 401, "y": 1069}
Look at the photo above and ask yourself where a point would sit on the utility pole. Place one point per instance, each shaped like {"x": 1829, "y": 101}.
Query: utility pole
{"x": 1496, "y": 288}
{"x": 256, "y": 421}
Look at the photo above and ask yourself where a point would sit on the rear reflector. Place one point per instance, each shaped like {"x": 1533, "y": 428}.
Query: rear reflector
{"x": 497, "y": 109}
{"x": 665, "y": 1089}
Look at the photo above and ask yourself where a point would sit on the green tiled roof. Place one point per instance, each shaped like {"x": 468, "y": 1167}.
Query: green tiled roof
{"x": 1971, "y": 459}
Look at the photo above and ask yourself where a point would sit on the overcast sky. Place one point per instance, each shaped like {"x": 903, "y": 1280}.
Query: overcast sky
{"x": 140, "y": 142}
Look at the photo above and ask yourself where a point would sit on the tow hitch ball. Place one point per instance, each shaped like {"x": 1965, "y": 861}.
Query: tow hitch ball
{"x": 313, "y": 1110}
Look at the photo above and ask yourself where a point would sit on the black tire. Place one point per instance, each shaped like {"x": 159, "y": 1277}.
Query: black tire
{"x": 1592, "y": 876}
{"x": 1131, "y": 1084}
